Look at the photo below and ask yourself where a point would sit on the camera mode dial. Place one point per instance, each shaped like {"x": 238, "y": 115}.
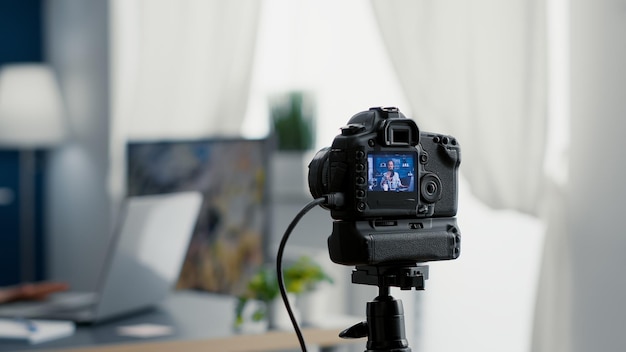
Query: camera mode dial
{"x": 430, "y": 188}
{"x": 352, "y": 129}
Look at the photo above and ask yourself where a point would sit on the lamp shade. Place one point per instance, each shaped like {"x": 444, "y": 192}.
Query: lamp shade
{"x": 31, "y": 109}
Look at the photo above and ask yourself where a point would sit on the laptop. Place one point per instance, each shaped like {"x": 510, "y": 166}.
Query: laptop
{"x": 142, "y": 264}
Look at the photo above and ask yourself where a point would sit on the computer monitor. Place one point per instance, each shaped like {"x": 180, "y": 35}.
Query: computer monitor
{"x": 232, "y": 232}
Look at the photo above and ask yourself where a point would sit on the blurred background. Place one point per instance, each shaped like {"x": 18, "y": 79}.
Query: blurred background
{"x": 531, "y": 89}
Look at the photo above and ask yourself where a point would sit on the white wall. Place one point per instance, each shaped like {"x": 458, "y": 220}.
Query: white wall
{"x": 598, "y": 175}
{"x": 78, "y": 210}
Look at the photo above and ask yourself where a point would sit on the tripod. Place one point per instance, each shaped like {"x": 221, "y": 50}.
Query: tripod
{"x": 384, "y": 327}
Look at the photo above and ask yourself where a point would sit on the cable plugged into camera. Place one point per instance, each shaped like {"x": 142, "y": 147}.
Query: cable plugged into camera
{"x": 334, "y": 200}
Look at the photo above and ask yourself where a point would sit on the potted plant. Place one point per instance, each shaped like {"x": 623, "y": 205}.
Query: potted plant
{"x": 304, "y": 275}
{"x": 293, "y": 120}
{"x": 300, "y": 277}
{"x": 262, "y": 287}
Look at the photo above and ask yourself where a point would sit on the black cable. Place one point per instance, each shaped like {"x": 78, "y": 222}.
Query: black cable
{"x": 279, "y": 266}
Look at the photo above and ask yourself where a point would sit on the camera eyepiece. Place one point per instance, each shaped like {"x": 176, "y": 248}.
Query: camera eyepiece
{"x": 398, "y": 133}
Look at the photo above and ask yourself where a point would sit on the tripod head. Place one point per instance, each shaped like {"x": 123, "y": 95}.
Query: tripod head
{"x": 384, "y": 326}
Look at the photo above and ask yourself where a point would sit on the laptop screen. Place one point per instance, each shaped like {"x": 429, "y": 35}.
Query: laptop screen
{"x": 147, "y": 252}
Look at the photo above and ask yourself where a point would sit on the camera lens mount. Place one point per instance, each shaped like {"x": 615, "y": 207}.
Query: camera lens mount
{"x": 319, "y": 173}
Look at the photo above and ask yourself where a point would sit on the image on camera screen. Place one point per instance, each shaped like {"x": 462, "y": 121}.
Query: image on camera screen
{"x": 391, "y": 172}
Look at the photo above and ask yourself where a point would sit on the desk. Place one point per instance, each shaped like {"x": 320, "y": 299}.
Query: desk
{"x": 201, "y": 322}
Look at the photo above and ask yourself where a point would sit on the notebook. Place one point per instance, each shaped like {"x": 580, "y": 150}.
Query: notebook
{"x": 35, "y": 331}
{"x": 142, "y": 266}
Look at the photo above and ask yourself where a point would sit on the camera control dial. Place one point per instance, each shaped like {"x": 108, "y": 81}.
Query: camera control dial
{"x": 352, "y": 129}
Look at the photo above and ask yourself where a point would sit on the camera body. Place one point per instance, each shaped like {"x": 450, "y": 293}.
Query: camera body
{"x": 389, "y": 173}
{"x": 385, "y": 167}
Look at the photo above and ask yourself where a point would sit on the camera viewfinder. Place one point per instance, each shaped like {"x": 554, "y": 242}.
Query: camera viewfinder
{"x": 401, "y": 133}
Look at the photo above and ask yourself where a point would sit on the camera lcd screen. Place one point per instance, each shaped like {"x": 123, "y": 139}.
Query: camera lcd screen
{"x": 391, "y": 172}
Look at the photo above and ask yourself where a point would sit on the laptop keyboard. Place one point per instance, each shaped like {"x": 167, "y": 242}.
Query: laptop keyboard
{"x": 61, "y": 302}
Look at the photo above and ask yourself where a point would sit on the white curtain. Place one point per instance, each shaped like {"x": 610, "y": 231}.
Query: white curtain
{"x": 181, "y": 68}
{"x": 476, "y": 70}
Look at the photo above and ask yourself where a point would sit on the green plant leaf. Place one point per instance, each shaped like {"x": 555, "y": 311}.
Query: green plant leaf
{"x": 301, "y": 276}
{"x": 293, "y": 120}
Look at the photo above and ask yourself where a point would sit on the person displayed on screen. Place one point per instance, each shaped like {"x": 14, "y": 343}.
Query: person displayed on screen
{"x": 391, "y": 180}
{"x": 30, "y": 291}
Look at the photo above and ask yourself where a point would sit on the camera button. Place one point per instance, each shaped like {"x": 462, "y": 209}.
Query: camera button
{"x": 352, "y": 130}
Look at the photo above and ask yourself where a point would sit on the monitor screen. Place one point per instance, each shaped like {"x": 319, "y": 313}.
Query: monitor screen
{"x": 233, "y": 226}
{"x": 391, "y": 172}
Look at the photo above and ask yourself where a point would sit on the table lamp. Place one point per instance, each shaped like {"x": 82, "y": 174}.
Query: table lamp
{"x": 31, "y": 118}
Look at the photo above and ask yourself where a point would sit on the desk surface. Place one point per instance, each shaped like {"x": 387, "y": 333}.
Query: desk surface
{"x": 200, "y": 322}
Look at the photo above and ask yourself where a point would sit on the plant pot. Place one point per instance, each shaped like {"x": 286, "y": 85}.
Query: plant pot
{"x": 290, "y": 174}
{"x": 250, "y": 326}
{"x": 277, "y": 316}
{"x": 309, "y": 307}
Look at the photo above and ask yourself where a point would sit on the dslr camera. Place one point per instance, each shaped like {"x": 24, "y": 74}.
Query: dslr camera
{"x": 397, "y": 191}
